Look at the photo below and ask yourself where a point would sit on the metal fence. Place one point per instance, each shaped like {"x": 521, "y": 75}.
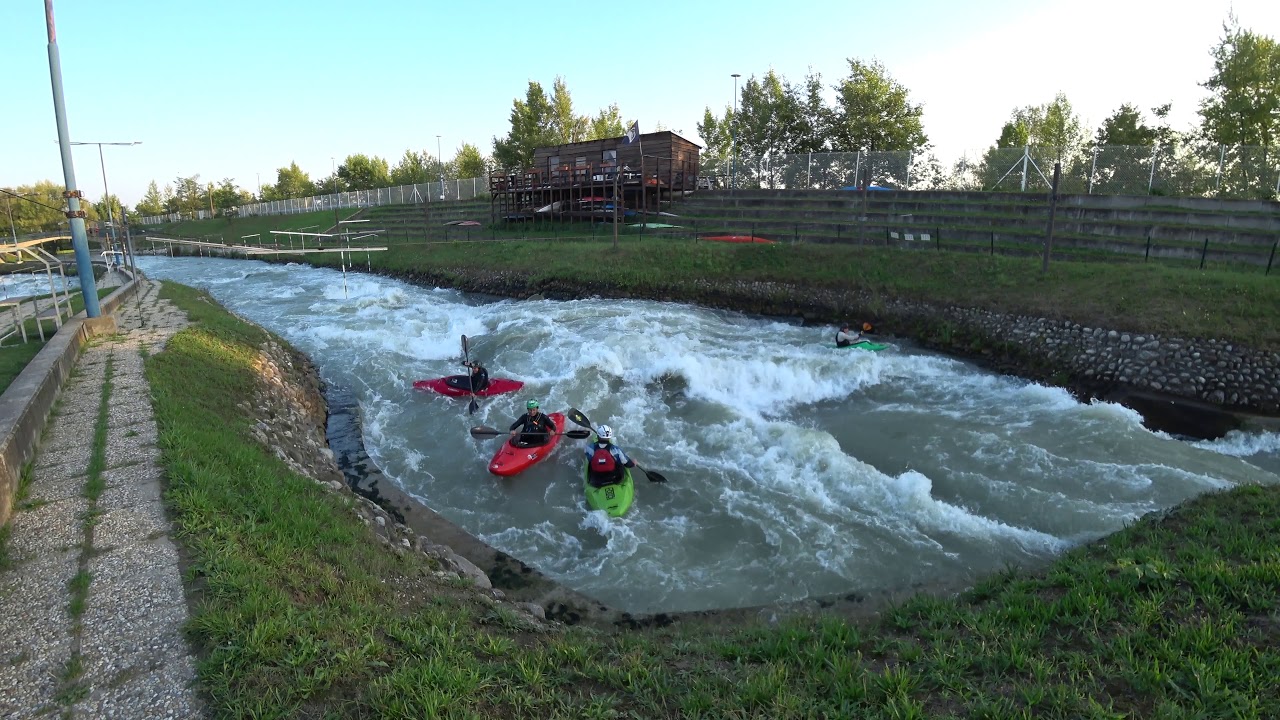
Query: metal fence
{"x": 1185, "y": 170}
{"x": 1182, "y": 170}
{"x": 459, "y": 189}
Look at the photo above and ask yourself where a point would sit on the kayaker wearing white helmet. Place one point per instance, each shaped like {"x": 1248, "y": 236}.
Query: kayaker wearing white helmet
{"x": 534, "y": 427}
{"x": 605, "y": 460}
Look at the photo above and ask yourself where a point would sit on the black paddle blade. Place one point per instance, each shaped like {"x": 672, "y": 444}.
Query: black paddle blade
{"x": 653, "y": 476}
{"x": 482, "y": 431}
{"x": 577, "y": 434}
{"x": 473, "y": 407}
{"x": 576, "y": 415}
{"x": 464, "y": 345}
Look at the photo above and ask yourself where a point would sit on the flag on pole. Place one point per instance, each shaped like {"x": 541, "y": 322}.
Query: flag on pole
{"x": 633, "y": 133}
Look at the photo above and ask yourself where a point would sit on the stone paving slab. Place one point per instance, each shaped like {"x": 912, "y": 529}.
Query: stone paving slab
{"x": 31, "y": 664}
{"x": 136, "y": 662}
{"x": 57, "y": 526}
{"x": 52, "y": 482}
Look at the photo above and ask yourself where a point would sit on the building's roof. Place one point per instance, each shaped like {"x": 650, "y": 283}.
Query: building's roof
{"x": 620, "y": 137}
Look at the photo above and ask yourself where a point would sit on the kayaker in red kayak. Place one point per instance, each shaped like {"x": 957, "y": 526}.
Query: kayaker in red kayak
{"x": 479, "y": 376}
{"x": 534, "y": 428}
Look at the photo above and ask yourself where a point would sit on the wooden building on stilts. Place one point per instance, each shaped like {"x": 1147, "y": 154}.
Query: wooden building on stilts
{"x": 584, "y": 180}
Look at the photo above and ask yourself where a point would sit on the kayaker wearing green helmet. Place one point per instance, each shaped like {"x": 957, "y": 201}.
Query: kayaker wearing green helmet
{"x": 533, "y": 427}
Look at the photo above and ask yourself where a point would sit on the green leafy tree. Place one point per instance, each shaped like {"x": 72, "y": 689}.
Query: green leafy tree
{"x": 411, "y": 169}
{"x": 39, "y": 208}
{"x": 718, "y": 139}
{"x": 565, "y": 125}
{"x": 530, "y": 129}
{"x": 361, "y": 172}
{"x": 151, "y": 203}
{"x": 606, "y": 124}
{"x": 874, "y": 112}
{"x": 227, "y": 196}
{"x": 541, "y": 121}
{"x": 115, "y": 207}
{"x": 189, "y": 195}
{"x": 469, "y": 163}
{"x": 291, "y": 182}
{"x": 1243, "y": 108}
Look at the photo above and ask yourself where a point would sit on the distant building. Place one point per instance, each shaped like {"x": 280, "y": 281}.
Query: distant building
{"x": 582, "y": 180}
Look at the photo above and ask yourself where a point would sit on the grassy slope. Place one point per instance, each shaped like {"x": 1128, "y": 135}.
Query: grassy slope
{"x": 1177, "y": 302}
{"x": 300, "y": 612}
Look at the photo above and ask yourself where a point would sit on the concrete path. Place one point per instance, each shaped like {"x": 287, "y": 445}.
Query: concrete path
{"x": 92, "y": 605}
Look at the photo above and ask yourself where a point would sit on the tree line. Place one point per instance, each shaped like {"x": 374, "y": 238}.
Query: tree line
{"x": 777, "y": 118}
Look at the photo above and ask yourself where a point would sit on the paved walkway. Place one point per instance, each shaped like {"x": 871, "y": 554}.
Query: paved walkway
{"x": 92, "y": 605}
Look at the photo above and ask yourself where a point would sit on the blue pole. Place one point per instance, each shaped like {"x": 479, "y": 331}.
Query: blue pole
{"x": 79, "y": 238}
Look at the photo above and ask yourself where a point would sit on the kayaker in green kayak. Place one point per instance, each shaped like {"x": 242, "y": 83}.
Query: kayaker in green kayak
{"x": 847, "y": 337}
{"x": 606, "y": 461}
{"x": 533, "y": 427}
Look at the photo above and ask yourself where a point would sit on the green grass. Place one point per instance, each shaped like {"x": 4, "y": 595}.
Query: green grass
{"x": 13, "y": 358}
{"x": 231, "y": 230}
{"x": 1148, "y": 298}
{"x": 299, "y": 612}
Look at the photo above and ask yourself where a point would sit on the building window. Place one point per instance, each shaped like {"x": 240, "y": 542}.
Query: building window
{"x": 580, "y": 161}
{"x": 610, "y": 157}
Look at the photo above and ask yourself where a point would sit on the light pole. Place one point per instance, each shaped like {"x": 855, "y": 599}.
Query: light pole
{"x": 440, "y": 159}
{"x": 9, "y": 210}
{"x": 334, "y": 166}
{"x": 106, "y": 194}
{"x": 733, "y": 133}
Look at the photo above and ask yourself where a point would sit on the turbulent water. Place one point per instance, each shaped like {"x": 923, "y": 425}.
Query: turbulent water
{"x": 795, "y": 469}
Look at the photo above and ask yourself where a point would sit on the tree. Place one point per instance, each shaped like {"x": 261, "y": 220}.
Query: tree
{"x": 189, "y": 195}
{"x": 361, "y": 172}
{"x": 1244, "y": 105}
{"x": 1126, "y": 127}
{"x": 565, "y": 126}
{"x": 39, "y": 209}
{"x": 1243, "y": 108}
{"x": 291, "y": 182}
{"x": 606, "y": 124}
{"x": 718, "y": 139}
{"x": 411, "y": 170}
{"x": 873, "y": 112}
{"x": 539, "y": 121}
{"x": 469, "y": 163}
{"x": 530, "y": 129}
{"x": 116, "y": 208}
{"x": 151, "y": 202}
{"x": 227, "y": 196}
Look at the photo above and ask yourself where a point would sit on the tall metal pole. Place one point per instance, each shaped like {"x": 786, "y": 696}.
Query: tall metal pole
{"x": 79, "y": 239}
{"x": 440, "y": 159}
{"x": 9, "y": 209}
{"x": 733, "y": 133}
{"x": 106, "y": 198}
{"x": 333, "y": 165}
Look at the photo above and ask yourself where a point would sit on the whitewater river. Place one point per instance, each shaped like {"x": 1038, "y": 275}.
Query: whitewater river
{"x": 795, "y": 469}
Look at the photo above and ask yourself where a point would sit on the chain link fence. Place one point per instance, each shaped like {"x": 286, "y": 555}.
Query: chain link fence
{"x": 1177, "y": 170}
{"x": 1184, "y": 170}
{"x": 459, "y": 189}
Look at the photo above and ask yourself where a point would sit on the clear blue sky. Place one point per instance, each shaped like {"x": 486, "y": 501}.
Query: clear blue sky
{"x": 233, "y": 88}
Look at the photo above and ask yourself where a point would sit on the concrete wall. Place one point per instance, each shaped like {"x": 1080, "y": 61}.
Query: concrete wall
{"x": 26, "y": 404}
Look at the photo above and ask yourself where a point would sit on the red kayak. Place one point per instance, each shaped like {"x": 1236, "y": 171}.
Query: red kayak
{"x": 513, "y": 459}
{"x": 460, "y": 385}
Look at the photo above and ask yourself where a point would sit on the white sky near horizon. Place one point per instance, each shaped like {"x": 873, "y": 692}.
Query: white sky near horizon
{"x": 238, "y": 89}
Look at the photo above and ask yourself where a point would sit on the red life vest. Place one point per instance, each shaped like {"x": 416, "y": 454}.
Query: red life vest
{"x": 602, "y": 461}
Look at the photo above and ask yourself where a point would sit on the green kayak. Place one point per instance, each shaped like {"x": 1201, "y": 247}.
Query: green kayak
{"x": 613, "y": 499}
{"x": 864, "y": 345}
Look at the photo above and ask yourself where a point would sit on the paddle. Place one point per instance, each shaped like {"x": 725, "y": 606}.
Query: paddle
{"x": 576, "y": 415}
{"x": 483, "y": 431}
{"x": 466, "y": 355}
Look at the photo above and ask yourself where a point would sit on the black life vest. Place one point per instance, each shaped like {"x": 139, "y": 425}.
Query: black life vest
{"x": 602, "y": 461}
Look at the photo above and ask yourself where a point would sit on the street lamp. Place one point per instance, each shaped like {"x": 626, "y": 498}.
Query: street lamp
{"x": 440, "y": 159}
{"x": 334, "y": 166}
{"x": 9, "y": 210}
{"x": 733, "y": 133}
{"x": 106, "y": 194}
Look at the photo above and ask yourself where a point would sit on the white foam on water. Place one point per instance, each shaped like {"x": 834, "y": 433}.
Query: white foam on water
{"x": 754, "y": 421}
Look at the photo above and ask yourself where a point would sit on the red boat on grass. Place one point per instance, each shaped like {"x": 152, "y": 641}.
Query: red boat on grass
{"x": 738, "y": 239}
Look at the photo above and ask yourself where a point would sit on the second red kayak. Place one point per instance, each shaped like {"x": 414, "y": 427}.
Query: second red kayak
{"x": 460, "y": 385}
{"x": 513, "y": 459}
